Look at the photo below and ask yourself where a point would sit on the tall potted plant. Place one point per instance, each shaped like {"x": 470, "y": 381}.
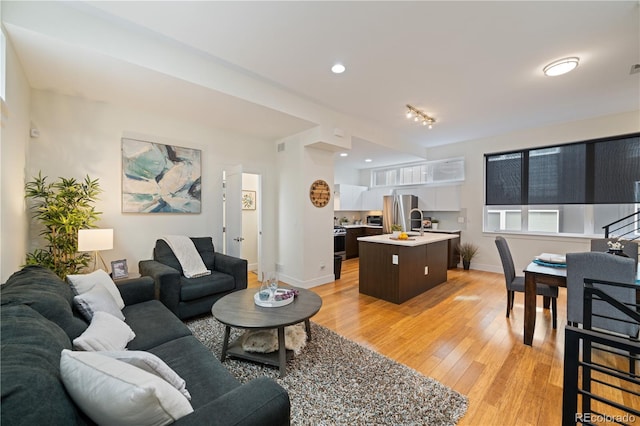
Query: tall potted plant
{"x": 62, "y": 208}
{"x": 467, "y": 252}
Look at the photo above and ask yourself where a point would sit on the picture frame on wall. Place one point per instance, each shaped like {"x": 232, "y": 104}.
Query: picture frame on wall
{"x": 119, "y": 269}
{"x": 159, "y": 178}
{"x": 248, "y": 200}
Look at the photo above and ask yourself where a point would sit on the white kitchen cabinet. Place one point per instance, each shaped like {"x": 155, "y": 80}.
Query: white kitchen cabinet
{"x": 448, "y": 198}
{"x": 439, "y": 198}
{"x": 348, "y": 197}
{"x": 426, "y": 198}
{"x": 372, "y": 199}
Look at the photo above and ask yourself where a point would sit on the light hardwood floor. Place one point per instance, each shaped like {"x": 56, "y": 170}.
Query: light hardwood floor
{"x": 457, "y": 333}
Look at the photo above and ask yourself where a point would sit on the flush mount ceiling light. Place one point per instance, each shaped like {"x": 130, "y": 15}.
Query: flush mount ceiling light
{"x": 561, "y": 66}
{"x": 338, "y": 68}
{"x": 343, "y": 154}
{"x": 420, "y": 116}
{"x": 368, "y": 160}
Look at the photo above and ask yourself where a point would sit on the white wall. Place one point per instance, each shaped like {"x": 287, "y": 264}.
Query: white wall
{"x": 80, "y": 137}
{"x": 305, "y": 231}
{"x": 14, "y": 135}
{"x": 523, "y": 247}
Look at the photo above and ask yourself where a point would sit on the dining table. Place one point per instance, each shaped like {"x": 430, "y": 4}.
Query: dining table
{"x": 555, "y": 275}
{"x": 536, "y": 273}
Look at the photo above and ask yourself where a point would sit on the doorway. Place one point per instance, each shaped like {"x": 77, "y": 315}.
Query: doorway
{"x": 251, "y": 220}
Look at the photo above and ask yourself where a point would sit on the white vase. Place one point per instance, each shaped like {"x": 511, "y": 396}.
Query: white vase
{"x": 434, "y": 225}
{"x": 396, "y": 234}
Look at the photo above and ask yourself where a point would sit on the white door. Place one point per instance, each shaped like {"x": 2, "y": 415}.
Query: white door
{"x": 233, "y": 211}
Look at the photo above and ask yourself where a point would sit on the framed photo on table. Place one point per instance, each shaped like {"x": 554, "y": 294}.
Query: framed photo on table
{"x": 119, "y": 269}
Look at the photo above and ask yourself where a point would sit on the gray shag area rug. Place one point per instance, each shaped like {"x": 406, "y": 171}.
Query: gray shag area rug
{"x": 336, "y": 381}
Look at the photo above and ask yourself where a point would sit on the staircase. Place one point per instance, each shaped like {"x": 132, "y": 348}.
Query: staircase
{"x": 627, "y": 228}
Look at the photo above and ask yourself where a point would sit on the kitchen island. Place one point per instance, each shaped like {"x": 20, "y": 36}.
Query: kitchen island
{"x": 397, "y": 270}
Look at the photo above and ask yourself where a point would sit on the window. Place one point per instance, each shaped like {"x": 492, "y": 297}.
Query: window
{"x": 574, "y": 188}
{"x": 439, "y": 171}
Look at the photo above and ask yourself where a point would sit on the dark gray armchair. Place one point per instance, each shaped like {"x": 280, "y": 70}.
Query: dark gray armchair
{"x": 189, "y": 297}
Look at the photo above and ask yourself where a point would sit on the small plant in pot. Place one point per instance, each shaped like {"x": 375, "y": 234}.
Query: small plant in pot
{"x": 396, "y": 229}
{"x": 467, "y": 252}
{"x": 434, "y": 223}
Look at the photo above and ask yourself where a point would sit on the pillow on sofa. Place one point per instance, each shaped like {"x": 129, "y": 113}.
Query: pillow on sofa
{"x": 105, "y": 333}
{"x": 151, "y": 364}
{"x": 81, "y": 283}
{"x": 113, "y": 392}
{"x": 97, "y": 299}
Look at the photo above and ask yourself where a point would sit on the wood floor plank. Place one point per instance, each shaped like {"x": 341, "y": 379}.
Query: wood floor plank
{"x": 457, "y": 333}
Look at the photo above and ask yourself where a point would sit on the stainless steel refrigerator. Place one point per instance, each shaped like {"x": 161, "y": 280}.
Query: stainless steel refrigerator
{"x": 397, "y": 209}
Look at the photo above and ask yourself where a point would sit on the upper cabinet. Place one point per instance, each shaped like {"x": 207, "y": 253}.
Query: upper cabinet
{"x": 430, "y": 198}
{"x": 372, "y": 199}
{"x": 348, "y": 197}
{"x": 439, "y": 198}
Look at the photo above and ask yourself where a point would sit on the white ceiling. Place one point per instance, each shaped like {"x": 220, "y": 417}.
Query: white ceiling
{"x": 475, "y": 66}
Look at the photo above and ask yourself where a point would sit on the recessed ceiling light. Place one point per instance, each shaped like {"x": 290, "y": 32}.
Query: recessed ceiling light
{"x": 338, "y": 68}
{"x": 368, "y": 160}
{"x": 561, "y": 66}
{"x": 343, "y": 154}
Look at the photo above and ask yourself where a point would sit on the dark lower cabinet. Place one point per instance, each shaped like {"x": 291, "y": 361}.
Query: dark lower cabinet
{"x": 372, "y": 231}
{"x": 453, "y": 256}
{"x": 352, "y": 248}
{"x": 352, "y": 241}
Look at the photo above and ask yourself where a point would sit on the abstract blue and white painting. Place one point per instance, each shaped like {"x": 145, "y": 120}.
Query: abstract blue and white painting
{"x": 159, "y": 178}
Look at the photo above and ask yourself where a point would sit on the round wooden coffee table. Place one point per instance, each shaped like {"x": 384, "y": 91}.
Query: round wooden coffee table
{"x": 239, "y": 310}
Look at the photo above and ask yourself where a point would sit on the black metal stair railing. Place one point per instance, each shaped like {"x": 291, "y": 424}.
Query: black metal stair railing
{"x": 590, "y": 383}
{"x": 627, "y": 228}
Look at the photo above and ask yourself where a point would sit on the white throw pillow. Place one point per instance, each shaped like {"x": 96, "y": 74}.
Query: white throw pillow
{"x": 112, "y": 392}
{"x": 97, "y": 299}
{"x": 105, "y": 333}
{"x": 152, "y": 364}
{"x": 81, "y": 283}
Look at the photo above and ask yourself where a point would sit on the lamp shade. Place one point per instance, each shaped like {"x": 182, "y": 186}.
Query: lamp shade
{"x": 95, "y": 239}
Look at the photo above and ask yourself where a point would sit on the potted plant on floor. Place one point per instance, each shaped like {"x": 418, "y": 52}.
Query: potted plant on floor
{"x": 62, "y": 208}
{"x": 467, "y": 252}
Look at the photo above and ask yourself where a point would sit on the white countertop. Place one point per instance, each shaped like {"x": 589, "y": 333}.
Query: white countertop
{"x": 440, "y": 230}
{"x": 414, "y": 240}
{"x": 364, "y": 225}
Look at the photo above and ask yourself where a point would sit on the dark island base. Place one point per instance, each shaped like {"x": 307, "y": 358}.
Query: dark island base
{"x": 380, "y": 278}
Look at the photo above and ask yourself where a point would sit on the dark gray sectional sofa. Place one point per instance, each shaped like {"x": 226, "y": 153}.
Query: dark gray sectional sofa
{"x": 38, "y": 321}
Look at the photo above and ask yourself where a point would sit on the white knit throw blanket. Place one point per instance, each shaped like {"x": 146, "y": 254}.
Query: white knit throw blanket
{"x": 186, "y": 253}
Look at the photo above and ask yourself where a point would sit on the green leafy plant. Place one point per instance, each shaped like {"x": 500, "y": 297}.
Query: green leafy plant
{"x": 62, "y": 208}
{"x": 396, "y": 227}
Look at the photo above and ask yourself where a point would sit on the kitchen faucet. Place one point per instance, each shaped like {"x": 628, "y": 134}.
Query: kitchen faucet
{"x": 421, "y": 220}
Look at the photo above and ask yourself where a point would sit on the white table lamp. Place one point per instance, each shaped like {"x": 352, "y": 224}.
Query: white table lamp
{"x": 95, "y": 240}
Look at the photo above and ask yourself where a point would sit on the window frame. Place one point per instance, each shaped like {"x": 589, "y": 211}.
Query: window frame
{"x": 590, "y": 209}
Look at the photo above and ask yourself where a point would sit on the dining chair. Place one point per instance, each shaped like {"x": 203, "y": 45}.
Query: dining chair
{"x": 516, "y": 283}
{"x": 606, "y": 267}
{"x": 630, "y": 247}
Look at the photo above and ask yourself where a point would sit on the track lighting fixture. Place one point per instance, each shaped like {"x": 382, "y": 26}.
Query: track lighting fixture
{"x": 420, "y": 116}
